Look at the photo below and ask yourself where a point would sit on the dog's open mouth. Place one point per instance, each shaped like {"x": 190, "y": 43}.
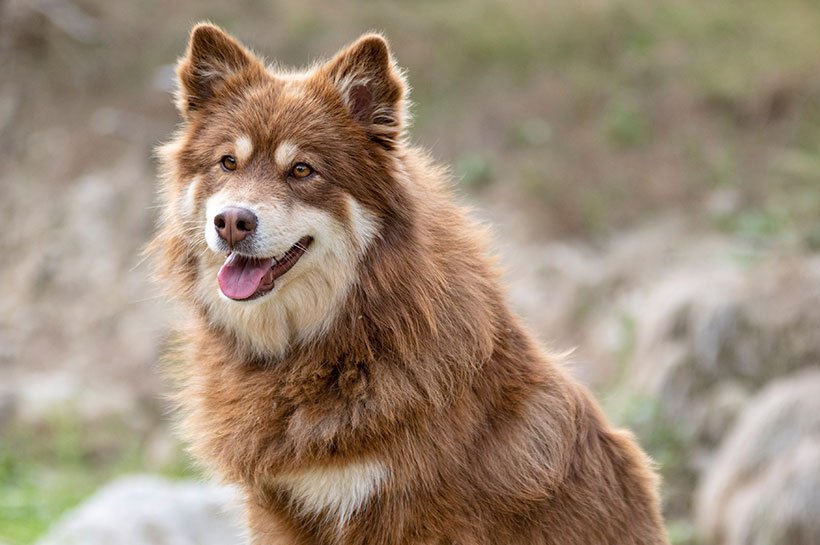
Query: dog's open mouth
{"x": 243, "y": 278}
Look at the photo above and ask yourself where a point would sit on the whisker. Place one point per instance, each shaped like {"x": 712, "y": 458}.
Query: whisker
{"x": 139, "y": 263}
{"x": 146, "y": 299}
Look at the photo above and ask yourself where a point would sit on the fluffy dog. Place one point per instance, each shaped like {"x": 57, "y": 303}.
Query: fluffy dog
{"x": 350, "y": 360}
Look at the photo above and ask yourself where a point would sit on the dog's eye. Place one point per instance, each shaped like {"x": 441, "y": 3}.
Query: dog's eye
{"x": 228, "y": 163}
{"x": 301, "y": 170}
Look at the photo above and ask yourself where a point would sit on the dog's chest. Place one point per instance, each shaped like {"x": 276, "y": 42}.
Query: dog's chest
{"x": 335, "y": 492}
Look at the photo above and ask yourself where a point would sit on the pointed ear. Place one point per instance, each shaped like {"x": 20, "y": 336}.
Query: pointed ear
{"x": 212, "y": 60}
{"x": 372, "y": 88}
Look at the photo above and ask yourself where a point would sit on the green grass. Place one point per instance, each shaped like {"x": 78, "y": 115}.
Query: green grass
{"x": 618, "y": 95}
{"x": 734, "y": 83}
{"x": 660, "y": 438}
{"x": 48, "y": 469}
{"x": 658, "y": 435}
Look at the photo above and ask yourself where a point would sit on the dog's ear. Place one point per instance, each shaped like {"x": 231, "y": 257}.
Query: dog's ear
{"x": 213, "y": 62}
{"x": 372, "y": 88}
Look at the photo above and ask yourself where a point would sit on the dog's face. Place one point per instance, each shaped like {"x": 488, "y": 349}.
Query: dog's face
{"x": 279, "y": 182}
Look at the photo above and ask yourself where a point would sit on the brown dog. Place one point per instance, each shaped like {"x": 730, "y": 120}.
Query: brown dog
{"x": 350, "y": 360}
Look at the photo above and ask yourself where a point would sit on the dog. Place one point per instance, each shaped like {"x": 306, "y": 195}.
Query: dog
{"x": 348, "y": 358}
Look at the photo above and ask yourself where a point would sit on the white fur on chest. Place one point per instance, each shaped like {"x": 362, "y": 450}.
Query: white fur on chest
{"x": 335, "y": 491}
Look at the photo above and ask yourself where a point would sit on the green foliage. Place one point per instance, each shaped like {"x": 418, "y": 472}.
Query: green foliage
{"x": 681, "y": 532}
{"x": 474, "y": 170}
{"x": 657, "y": 433}
{"x": 47, "y": 469}
{"x": 661, "y": 439}
{"x": 534, "y": 132}
{"x": 626, "y": 125}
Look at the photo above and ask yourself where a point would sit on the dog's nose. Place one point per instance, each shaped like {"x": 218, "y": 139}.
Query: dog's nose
{"x": 234, "y": 224}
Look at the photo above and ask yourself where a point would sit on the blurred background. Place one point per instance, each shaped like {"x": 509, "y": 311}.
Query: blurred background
{"x": 651, "y": 168}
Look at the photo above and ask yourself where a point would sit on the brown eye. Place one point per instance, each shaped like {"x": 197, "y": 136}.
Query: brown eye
{"x": 301, "y": 170}
{"x": 228, "y": 163}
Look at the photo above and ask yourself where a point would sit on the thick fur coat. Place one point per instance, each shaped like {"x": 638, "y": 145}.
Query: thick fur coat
{"x": 381, "y": 392}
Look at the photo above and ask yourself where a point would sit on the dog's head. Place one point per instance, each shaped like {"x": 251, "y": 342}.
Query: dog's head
{"x": 278, "y": 182}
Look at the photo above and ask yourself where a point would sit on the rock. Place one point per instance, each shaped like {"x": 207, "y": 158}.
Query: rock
{"x": 79, "y": 282}
{"x": 764, "y": 485}
{"x": 691, "y": 330}
{"x": 149, "y": 510}
{"x": 704, "y": 337}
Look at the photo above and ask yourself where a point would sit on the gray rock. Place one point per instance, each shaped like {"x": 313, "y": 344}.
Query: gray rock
{"x": 764, "y": 485}
{"x": 80, "y": 284}
{"x": 692, "y": 338}
{"x": 149, "y": 510}
{"x": 705, "y": 337}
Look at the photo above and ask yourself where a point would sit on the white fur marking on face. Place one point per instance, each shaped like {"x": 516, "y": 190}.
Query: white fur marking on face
{"x": 213, "y": 206}
{"x": 189, "y": 202}
{"x": 285, "y": 154}
{"x": 305, "y": 301}
{"x": 365, "y": 223}
{"x": 243, "y": 147}
{"x": 335, "y": 491}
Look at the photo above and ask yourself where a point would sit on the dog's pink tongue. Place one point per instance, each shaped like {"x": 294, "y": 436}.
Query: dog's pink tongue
{"x": 239, "y": 277}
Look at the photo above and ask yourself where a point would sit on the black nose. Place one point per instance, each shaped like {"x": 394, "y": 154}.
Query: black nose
{"x": 234, "y": 224}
